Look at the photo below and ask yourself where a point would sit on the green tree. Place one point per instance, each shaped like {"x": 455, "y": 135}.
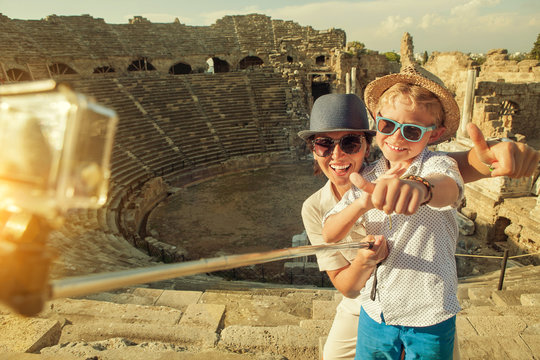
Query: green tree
{"x": 535, "y": 52}
{"x": 392, "y": 56}
{"x": 424, "y": 58}
{"x": 356, "y": 47}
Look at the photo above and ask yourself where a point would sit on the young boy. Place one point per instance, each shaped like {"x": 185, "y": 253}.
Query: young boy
{"x": 414, "y": 305}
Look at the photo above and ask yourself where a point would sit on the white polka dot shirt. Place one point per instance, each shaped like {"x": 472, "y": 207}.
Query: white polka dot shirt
{"x": 417, "y": 283}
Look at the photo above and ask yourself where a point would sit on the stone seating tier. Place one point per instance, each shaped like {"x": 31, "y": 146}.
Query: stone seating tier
{"x": 202, "y": 317}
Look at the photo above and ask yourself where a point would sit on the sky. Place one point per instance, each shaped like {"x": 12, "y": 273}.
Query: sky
{"x": 469, "y": 26}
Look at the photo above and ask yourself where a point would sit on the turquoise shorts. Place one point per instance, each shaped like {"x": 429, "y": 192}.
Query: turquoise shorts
{"x": 382, "y": 341}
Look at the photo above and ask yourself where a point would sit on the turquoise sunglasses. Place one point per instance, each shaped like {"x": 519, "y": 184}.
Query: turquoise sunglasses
{"x": 410, "y": 132}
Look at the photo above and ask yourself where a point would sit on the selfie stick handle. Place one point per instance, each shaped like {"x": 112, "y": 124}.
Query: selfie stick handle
{"x": 83, "y": 285}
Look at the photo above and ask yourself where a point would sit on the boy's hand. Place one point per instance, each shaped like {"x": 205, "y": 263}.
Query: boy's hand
{"x": 373, "y": 256}
{"x": 390, "y": 193}
{"x": 511, "y": 158}
{"x": 397, "y": 195}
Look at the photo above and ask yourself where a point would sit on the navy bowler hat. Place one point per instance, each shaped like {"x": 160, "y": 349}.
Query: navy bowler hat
{"x": 337, "y": 112}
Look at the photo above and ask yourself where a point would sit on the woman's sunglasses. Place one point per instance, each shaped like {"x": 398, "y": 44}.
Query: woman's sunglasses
{"x": 410, "y": 132}
{"x": 350, "y": 144}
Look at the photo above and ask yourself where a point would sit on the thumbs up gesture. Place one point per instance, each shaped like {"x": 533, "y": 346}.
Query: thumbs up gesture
{"x": 507, "y": 158}
{"x": 389, "y": 193}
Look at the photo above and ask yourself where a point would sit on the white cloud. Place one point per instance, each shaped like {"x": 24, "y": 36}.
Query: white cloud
{"x": 496, "y": 22}
{"x": 392, "y": 24}
{"x": 430, "y": 20}
{"x": 472, "y": 7}
{"x": 441, "y": 25}
{"x": 534, "y": 21}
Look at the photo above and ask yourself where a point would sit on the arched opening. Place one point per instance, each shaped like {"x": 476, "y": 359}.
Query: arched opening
{"x": 141, "y": 64}
{"x": 103, "y": 70}
{"x": 220, "y": 66}
{"x": 320, "y": 60}
{"x": 507, "y": 111}
{"x": 250, "y": 62}
{"x": 61, "y": 69}
{"x": 18, "y": 75}
{"x": 180, "y": 68}
{"x": 290, "y": 59}
{"x": 320, "y": 85}
{"x": 496, "y": 231}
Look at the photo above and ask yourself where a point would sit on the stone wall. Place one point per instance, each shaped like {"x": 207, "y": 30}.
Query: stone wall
{"x": 85, "y": 43}
{"x": 506, "y": 104}
{"x": 503, "y": 109}
{"x": 507, "y": 96}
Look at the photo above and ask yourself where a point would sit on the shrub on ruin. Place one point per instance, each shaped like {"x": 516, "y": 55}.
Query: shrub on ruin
{"x": 535, "y": 52}
{"x": 392, "y": 56}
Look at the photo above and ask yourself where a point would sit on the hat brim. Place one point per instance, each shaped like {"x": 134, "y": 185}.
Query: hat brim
{"x": 377, "y": 87}
{"x": 306, "y": 134}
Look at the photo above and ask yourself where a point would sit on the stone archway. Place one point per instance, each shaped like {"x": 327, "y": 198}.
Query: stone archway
{"x": 180, "y": 68}
{"x": 507, "y": 110}
{"x": 220, "y": 66}
{"x": 250, "y": 62}
{"x": 18, "y": 75}
{"x": 61, "y": 69}
{"x": 141, "y": 64}
{"x": 320, "y": 60}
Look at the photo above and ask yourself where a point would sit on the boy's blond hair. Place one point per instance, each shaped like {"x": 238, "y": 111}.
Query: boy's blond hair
{"x": 418, "y": 96}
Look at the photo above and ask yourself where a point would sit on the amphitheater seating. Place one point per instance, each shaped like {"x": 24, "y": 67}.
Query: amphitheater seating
{"x": 226, "y": 105}
{"x": 181, "y": 128}
{"x": 270, "y": 99}
{"x": 258, "y": 33}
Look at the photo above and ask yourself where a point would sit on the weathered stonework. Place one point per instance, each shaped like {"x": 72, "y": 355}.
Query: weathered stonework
{"x": 245, "y": 110}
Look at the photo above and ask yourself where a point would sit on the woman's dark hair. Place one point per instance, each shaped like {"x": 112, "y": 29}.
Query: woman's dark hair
{"x": 316, "y": 168}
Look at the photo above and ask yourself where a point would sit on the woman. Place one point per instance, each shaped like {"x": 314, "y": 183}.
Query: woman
{"x": 339, "y": 138}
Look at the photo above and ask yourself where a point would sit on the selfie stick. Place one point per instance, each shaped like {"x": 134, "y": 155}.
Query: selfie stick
{"x": 87, "y": 284}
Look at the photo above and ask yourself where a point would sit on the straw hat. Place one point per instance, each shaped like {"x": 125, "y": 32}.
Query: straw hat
{"x": 337, "y": 112}
{"x": 420, "y": 77}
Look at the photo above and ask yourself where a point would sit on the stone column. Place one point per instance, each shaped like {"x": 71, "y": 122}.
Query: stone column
{"x": 535, "y": 212}
{"x": 347, "y": 83}
{"x": 353, "y": 80}
{"x": 467, "y": 103}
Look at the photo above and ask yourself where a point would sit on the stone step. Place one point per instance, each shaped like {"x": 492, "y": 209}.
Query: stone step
{"x": 95, "y": 320}
{"x": 511, "y": 275}
{"x": 480, "y": 296}
{"x": 21, "y": 334}
{"x": 506, "y": 297}
{"x": 80, "y": 310}
{"x": 99, "y": 330}
{"x": 499, "y": 347}
{"x": 119, "y": 348}
{"x": 155, "y": 297}
{"x": 530, "y": 299}
{"x": 263, "y": 310}
{"x": 531, "y": 312}
{"x": 317, "y": 325}
{"x": 292, "y": 342}
{"x": 324, "y": 309}
{"x": 261, "y": 323}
